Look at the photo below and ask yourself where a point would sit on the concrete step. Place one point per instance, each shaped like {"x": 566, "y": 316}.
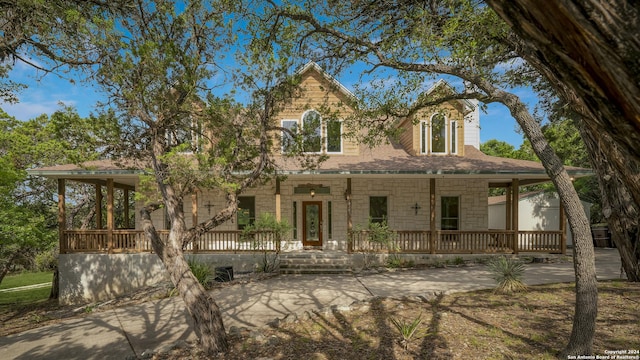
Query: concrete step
{"x": 315, "y": 263}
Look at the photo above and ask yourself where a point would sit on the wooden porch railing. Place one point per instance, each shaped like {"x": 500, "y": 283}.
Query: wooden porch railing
{"x": 445, "y": 242}
{"x": 134, "y": 241}
{"x": 461, "y": 242}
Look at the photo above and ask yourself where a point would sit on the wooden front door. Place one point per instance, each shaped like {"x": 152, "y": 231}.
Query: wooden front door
{"x": 312, "y": 223}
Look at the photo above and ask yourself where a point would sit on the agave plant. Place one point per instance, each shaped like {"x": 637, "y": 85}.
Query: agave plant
{"x": 507, "y": 272}
{"x": 407, "y": 329}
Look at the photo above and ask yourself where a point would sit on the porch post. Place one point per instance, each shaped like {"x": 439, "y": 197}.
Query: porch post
{"x": 98, "y": 206}
{"x": 62, "y": 222}
{"x": 515, "y": 198}
{"x": 110, "y": 215}
{"x": 347, "y": 197}
{"x": 126, "y": 209}
{"x": 349, "y": 208}
{"x": 278, "y": 205}
{"x": 508, "y": 209}
{"x": 563, "y": 228}
{"x": 432, "y": 215}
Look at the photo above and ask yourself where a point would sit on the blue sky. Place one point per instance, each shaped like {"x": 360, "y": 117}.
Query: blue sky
{"x": 45, "y": 94}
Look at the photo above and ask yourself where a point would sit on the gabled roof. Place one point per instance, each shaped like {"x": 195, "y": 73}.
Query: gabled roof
{"x": 311, "y": 65}
{"x": 443, "y": 83}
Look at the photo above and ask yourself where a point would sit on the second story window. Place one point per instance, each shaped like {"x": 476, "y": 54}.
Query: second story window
{"x": 311, "y": 125}
{"x": 287, "y": 137}
{"x": 438, "y": 135}
{"x": 318, "y": 135}
{"x": 334, "y": 136}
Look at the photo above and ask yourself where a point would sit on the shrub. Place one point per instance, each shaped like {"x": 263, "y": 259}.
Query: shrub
{"x": 47, "y": 260}
{"x": 507, "y": 272}
{"x": 203, "y": 272}
{"x": 256, "y": 233}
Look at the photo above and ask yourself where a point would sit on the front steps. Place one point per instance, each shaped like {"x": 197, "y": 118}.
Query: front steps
{"x": 315, "y": 262}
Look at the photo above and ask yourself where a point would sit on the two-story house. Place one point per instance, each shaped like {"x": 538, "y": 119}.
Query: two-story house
{"x": 430, "y": 185}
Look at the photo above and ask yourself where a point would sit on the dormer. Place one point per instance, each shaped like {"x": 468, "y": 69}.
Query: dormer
{"x": 442, "y": 129}
{"x": 319, "y": 110}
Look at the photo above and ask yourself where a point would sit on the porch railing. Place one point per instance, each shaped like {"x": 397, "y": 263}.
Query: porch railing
{"x": 461, "y": 242}
{"x": 133, "y": 241}
{"x": 444, "y": 242}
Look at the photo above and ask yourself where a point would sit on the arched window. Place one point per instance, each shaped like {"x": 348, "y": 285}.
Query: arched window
{"x": 438, "y": 133}
{"x": 311, "y": 125}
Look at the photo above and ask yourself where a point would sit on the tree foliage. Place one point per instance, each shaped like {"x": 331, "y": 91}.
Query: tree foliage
{"x": 164, "y": 60}
{"x": 27, "y": 209}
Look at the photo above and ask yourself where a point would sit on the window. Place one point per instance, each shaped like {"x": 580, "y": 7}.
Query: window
{"x": 318, "y": 135}
{"x": 246, "y": 211}
{"x": 378, "y": 209}
{"x": 454, "y": 146}
{"x": 433, "y": 136}
{"x": 185, "y": 134}
{"x": 311, "y": 125}
{"x": 450, "y": 206}
{"x": 287, "y": 139}
{"x": 424, "y": 130}
{"x": 438, "y": 134}
{"x": 334, "y": 136}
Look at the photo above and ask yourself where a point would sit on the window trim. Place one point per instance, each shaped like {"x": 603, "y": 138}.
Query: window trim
{"x": 326, "y": 136}
{"x": 453, "y": 137}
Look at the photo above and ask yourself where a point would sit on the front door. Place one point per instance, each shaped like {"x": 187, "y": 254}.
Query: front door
{"x": 312, "y": 224}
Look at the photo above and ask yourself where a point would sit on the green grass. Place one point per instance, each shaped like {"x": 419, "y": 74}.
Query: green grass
{"x": 25, "y": 297}
{"x": 23, "y": 279}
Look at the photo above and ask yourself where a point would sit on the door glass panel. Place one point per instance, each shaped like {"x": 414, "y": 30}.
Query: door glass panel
{"x": 313, "y": 223}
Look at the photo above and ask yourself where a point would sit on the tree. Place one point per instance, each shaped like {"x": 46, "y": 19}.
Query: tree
{"x": 457, "y": 38}
{"x": 54, "y": 31}
{"x": 27, "y": 203}
{"x": 591, "y": 60}
{"x": 161, "y": 66}
{"x": 498, "y": 148}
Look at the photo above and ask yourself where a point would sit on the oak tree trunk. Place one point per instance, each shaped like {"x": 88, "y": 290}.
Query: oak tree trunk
{"x": 618, "y": 206}
{"x": 204, "y": 311}
{"x": 586, "y": 309}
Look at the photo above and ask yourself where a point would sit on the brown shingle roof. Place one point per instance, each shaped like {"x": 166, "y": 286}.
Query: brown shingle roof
{"x": 392, "y": 158}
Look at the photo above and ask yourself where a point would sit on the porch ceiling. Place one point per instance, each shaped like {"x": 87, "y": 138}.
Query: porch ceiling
{"x": 124, "y": 175}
